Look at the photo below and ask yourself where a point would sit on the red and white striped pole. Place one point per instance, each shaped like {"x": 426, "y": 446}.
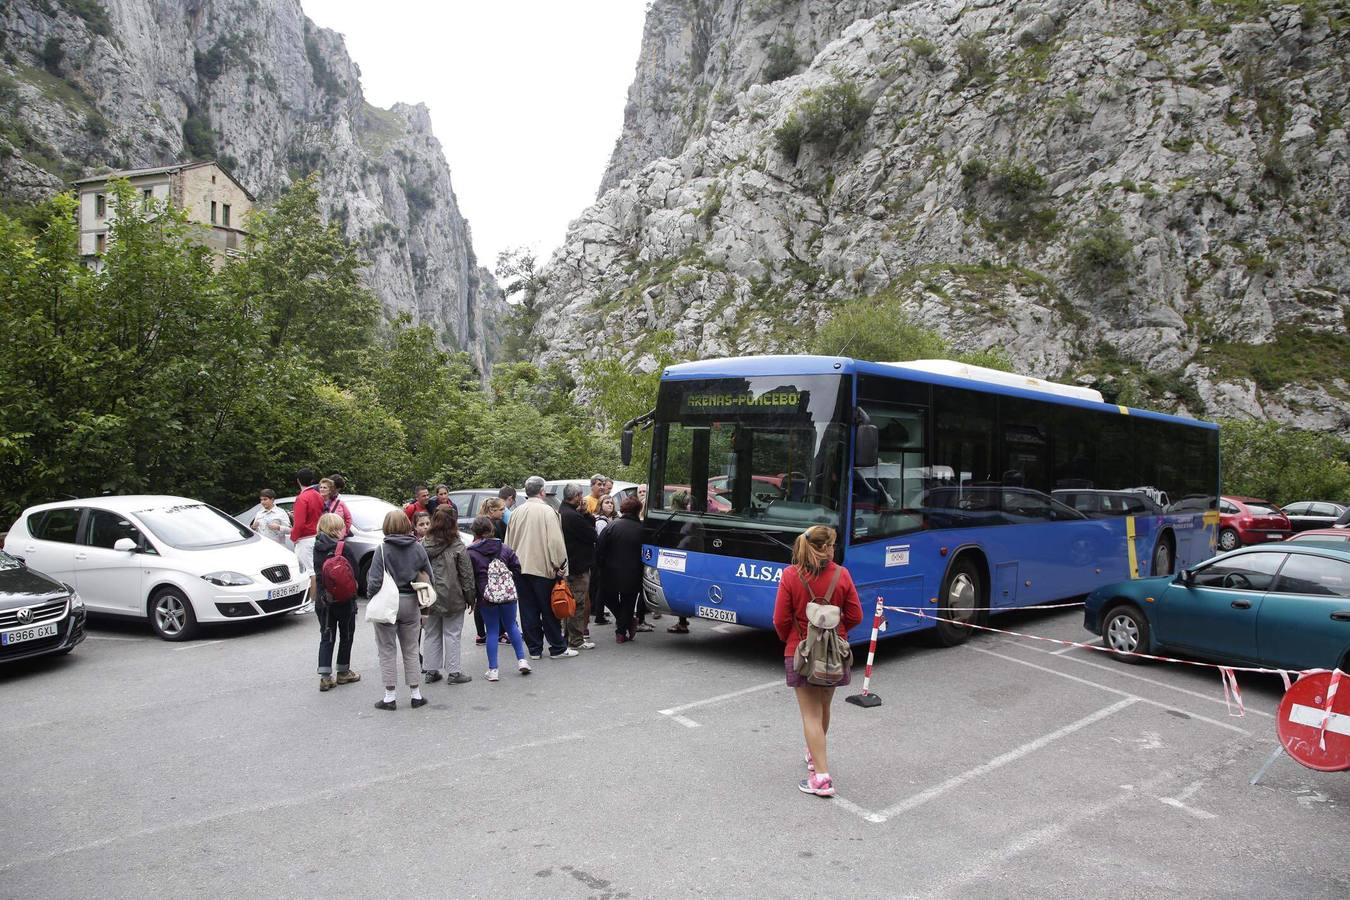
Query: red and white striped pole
{"x": 868, "y": 699}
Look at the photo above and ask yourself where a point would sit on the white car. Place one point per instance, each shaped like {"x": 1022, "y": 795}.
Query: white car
{"x": 175, "y": 561}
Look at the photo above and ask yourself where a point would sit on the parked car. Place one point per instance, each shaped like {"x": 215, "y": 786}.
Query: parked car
{"x": 38, "y": 614}
{"x": 1106, "y": 504}
{"x": 1339, "y": 536}
{"x": 1281, "y": 605}
{"x": 469, "y": 500}
{"x": 1245, "y": 520}
{"x": 1310, "y": 514}
{"x": 178, "y": 562}
{"x": 367, "y": 527}
{"x": 553, "y": 490}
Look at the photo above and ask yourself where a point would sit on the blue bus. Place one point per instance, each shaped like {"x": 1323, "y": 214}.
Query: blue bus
{"x": 951, "y": 487}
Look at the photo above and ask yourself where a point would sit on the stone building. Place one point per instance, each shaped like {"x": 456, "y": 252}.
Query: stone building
{"x": 209, "y": 194}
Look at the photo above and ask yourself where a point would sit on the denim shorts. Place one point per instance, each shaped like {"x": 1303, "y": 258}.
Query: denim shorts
{"x": 794, "y": 680}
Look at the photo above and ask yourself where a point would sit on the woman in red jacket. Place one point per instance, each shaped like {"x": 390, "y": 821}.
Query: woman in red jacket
{"x": 808, "y": 580}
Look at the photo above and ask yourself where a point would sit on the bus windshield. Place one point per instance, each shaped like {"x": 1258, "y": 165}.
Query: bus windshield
{"x": 760, "y": 452}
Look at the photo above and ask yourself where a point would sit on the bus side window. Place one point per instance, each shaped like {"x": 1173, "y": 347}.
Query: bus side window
{"x": 886, "y": 496}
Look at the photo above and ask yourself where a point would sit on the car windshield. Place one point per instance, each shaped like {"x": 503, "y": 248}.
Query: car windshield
{"x": 762, "y": 452}
{"x": 192, "y": 526}
{"x": 368, "y": 515}
{"x": 7, "y": 561}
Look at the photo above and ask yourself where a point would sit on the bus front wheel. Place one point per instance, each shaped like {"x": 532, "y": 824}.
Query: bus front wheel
{"x": 962, "y": 602}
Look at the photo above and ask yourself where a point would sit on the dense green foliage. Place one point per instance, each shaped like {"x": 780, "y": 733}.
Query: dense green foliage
{"x": 167, "y": 372}
{"x": 1283, "y": 465}
{"x": 825, "y": 117}
{"x": 879, "y": 329}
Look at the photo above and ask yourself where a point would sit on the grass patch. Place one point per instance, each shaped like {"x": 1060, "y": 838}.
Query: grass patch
{"x": 1295, "y": 356}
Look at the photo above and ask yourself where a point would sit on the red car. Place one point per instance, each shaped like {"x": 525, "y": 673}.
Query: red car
{"x": 1246, "y": 520}
{"x": 1324, "y": 535}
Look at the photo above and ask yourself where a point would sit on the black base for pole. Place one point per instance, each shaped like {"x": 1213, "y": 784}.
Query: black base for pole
{"x": 866, "y": 701}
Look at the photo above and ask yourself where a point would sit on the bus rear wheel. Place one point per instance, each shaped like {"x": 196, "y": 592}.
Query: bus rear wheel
{"x": 962, "y": 601}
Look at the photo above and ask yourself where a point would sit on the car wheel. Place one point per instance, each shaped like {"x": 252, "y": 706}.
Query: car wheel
{"x": 1228, "y": 540}
{"x": 364, "y": 569}
{"x": 962, "y": 601}
{"x": 1125, "y": 631}
{"x": 171, "y": 615}
{"x": 1162, "y": 558}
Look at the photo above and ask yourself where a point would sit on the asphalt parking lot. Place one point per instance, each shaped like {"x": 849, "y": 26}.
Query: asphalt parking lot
{"x": 666, "y": 767}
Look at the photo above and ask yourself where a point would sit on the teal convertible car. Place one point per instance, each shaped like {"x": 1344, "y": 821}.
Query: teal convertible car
{"x": 1284, "y": 606}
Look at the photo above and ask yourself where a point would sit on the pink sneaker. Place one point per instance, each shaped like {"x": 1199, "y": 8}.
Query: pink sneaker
{"x": 810, "y": 763}
{"x": 820, "y": 785}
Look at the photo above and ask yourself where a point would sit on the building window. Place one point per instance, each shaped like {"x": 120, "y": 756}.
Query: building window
{"x": 148, "y": 193}
{"x": 100, "y": 206}
{"x": 213, "y": 212}
{"x": 213, "y": 179}
{"x": 100, "y": 242}
{"x": 226, "y": 215}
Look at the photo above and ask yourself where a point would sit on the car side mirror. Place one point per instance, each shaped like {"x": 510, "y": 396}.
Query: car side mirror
{"x": 1186, "y": 577}
{"x": 626, "y": 446}
{"x": 868, "y": 444}
{"x": 125, "y": 545}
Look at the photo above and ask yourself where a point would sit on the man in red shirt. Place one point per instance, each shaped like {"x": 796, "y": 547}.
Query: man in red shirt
{"x": 304, "y": 525}
{"x": 419, "y": 504}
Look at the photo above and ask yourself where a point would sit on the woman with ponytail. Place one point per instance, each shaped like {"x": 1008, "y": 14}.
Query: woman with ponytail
{"x": 813, "y": 577}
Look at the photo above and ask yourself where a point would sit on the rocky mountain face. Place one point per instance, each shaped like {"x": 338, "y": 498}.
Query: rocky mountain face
{"x": 254, "y": 83}
{"x": 1149, "y": 197}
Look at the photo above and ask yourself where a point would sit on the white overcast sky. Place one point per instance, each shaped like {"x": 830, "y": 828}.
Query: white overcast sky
{"x": 526, "y": 97}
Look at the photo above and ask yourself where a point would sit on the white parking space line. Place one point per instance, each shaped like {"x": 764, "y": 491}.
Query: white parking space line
{"x": 1031, "y": 665}
{"x": 105, "y": 637}
{"x": 997, "y": 762}
{"x": 1121, "y": 670}
{"x": 720, "y": 697}
{"x": 1179, "y": 801}
{"x": 196, "y": 646}
{"x": 686, "y": 722}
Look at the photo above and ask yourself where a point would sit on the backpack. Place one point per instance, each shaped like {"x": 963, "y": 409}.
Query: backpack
{"x": 822, "y": 657}
{"x": 501, "y": 587}
{"x": 337, "y": 577}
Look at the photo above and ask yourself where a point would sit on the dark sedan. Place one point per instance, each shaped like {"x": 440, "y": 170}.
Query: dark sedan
{"x": 1283, "y": 605}
{"x": 1309, "y": 514}
{"x": 38, "y": 614}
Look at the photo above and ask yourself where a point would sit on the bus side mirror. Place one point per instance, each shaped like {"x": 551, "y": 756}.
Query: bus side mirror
{"x": 868, "y": 443}
{"x": 626, "y": 446}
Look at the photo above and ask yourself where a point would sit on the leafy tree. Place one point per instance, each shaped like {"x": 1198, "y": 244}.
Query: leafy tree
{"x": 621, "y": 395}
{"x": 522, "y": 282}
{"x": 303, "y": 279}
{"x": 878, "y": 329}
{"x": 1282, "y": 464}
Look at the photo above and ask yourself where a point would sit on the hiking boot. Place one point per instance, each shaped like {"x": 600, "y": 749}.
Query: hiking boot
{"x": 457, "y": 678}
{"x": 326, "y": 683}
{"x": 348, "y": 677}
{"x": 820, "y": 785}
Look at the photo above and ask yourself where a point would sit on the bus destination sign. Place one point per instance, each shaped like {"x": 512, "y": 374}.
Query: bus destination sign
{"x": 744, "y": 401}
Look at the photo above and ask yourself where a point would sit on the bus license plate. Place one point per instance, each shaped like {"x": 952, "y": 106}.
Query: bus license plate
{"x": 275, "y": 593}
{"x": 718, "y": 615}
{"x": 35, "y": 633}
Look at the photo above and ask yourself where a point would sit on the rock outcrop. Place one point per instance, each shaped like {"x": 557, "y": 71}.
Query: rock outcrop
{"x": 255, "y": 84}
{"x": 1149, "y": 197}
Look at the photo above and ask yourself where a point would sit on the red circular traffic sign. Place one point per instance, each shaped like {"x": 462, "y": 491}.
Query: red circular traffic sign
{"x": 1299, "y": 723}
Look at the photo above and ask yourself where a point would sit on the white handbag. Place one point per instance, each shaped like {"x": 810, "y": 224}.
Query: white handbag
{"x": 383, "y": 607}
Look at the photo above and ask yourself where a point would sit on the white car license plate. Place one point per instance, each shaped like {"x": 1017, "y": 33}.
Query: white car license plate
{"x": 1275, "y": 536}
{"x": 37, "y": 632}
{"x": 719, "y": 615}
{"x": 287, "y": 591}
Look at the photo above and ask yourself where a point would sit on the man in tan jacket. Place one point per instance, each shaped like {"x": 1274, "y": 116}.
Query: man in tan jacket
{"x": 535, "y": 533}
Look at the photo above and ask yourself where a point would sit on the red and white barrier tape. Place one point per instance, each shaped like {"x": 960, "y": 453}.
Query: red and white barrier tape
{"x": 931, "y": 608}
{"x": 1227, "y": 674}
{"x": 1326, "y": 710}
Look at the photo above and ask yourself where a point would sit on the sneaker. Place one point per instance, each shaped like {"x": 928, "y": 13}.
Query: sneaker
{"x": 643, "y": 626}
{"x": 810, "y": 763}
{"x": 326, "y": 683}
{"x": 503, "y": 639}
{"x": 569, "y": 652}
{"x": 820, "y": 785}
{"x": 431, "y": 677}
{"x": 480, "y": 640}
{"x": 536, "y": 655}
{"x": 491, "y": 674}
{"x": 418, "y": 701}
{"x": 348, "y": 677}
{"x": 523, "y": 666}
{"x": 386, "y": 704}
{"x": 587, "y": 645}
{"x": 458, "y": 678}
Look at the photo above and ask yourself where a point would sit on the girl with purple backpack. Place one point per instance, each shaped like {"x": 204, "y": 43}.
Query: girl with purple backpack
{"x": 495, "y": 571}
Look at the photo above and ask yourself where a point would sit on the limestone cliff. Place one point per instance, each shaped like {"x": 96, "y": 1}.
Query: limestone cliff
{"x": 1145, "y": 196}
{"x": 254, "y": 83}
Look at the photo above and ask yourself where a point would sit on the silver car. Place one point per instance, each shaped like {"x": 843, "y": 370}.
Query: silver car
{"x": 367, "y": 527}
